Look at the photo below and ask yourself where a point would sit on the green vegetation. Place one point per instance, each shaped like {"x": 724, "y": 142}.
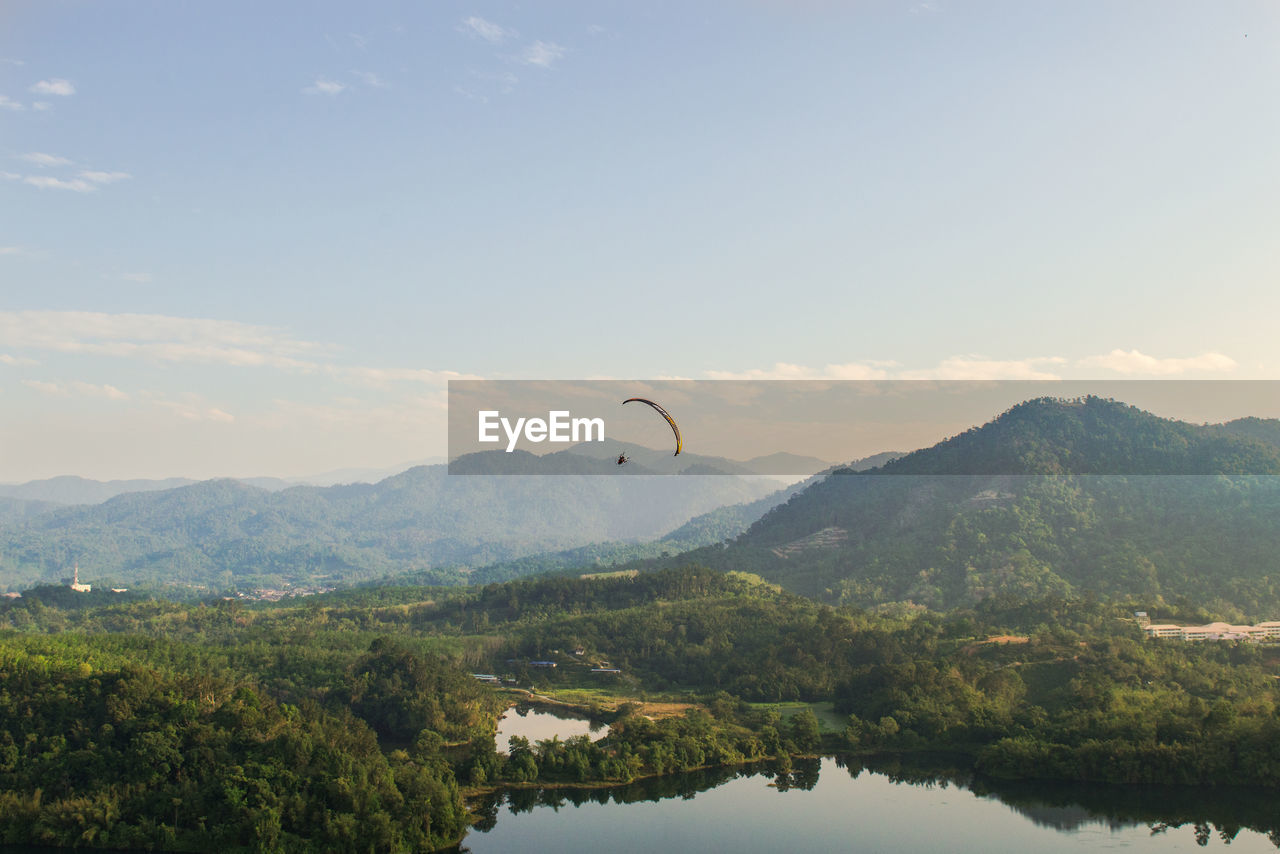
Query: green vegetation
{"x": 1053, "y": 498}
{"x": 984, "y": 616}
{"x": 96, "y": 749}
{"x": 340, "y": 715}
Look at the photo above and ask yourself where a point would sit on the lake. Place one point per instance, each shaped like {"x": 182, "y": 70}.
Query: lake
{"x": 539, "y": 723}
{"x": 828, "y": 805}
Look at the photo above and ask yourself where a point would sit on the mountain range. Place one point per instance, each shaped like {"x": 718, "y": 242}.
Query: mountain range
{"x": 223, "y": 533}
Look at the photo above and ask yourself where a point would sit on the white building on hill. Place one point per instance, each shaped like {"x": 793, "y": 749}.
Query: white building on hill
{"x": 1216, "y": 631}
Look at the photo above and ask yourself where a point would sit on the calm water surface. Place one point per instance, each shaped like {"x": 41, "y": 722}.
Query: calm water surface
{"x": 823, "y": 806}
{"x": 537, "y": 724}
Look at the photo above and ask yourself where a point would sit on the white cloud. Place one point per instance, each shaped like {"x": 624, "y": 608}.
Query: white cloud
{"x": 195, "y": 412}
{"x": 44, "y": 182}
{"x": 541, "y": 54}
{"x": 787, "y": 371}
{"x": 40, "y": 158}
{"x": 11, "y": 250}
{"x": 982, "y": 368}
{"x": 487, "y": 30}
{"x": 369, "y": 78}
{"x": 467, "y": 93}
{"x": 325, "y": 87}
{"x": 41, "y": 106}
{"x": 10, "y": 176}
{"x": 53, "y": 86}
{"x": 109, "y": 392}
{"x": 76, "y": 389}
{"x": 104, "y": 177}
{"x": 7, "y": 103}
{"x": 360, "y": 41}
{"x": 382, "y": 377}
{"x": 1132, "y": 363}
{"x": 46, "y": 388}
{"x": 15, "y": 361}
{"x": 9, "y": 61}
{"x": 156, "y": 337}
{"x": 140, "y": 278}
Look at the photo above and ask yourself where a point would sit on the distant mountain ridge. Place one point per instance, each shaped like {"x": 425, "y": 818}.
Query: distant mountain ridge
{"x": 225, "y": 533}
{"x": 71, "y": 489}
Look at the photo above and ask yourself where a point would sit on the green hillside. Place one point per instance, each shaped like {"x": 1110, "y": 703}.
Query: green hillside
{"x": 1051, "y": 498}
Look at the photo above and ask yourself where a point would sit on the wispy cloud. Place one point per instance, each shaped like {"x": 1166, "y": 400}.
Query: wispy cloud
{"x": 982, "y": 368}
{"x": 369, "y": 78}
{"x": 542, "y": 54}
{"x": 45, "y": 182}
{"x": 48, "y": 389}
{"x": 41, "y": 158}
{"x": 383, "y": 377}
{"x": 10, "y": 61}
{"x": 140, "y": 278}
{"x": 76, "y": 389}
{"x": 53, "y": 86}
{"x": 323, "y": 86}
{"x": 86, "y": 181}
{"x": 156, "y": 337}
{"x": 487, "y": 30}
{"x": 15, "y": 361}
{"x": 788, "y": 371}
{"x": 192, "y": 407}
{"x": 41, "y": 106}
{"x": 7, "y": 103}
{"x": 104, "y": 177}
{"x": 11, "y": 250}
{"x": 359, "y": 40}
{"x": 108, "y": 392}
{"x": 470, "y": 94}
{"x": 1132, "y": 363}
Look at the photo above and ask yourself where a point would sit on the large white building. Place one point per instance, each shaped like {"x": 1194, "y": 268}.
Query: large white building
{"x": 1269, "y": 630}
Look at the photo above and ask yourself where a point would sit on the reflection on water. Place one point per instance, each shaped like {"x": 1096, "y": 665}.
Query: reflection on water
{"x": 541, "y": 723}
{"x": 886, "y": 805}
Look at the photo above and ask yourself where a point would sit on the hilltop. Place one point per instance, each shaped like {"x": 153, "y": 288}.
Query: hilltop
{"x": 1052, "y": 497}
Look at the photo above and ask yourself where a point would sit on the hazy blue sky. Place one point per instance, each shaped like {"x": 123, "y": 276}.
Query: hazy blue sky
{"x": 256, "y": 238}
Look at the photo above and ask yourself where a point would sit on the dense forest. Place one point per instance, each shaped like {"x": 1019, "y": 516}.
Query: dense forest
{"x": 353, "y": 716}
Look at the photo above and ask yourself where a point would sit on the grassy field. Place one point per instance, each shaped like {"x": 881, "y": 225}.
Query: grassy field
{"x": 828, "y": 719}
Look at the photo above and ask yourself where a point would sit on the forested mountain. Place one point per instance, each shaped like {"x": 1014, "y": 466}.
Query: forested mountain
{"x": 225, "y": 533}
{"x": 1052, "y": 497}
{"x": 17, "y": 510}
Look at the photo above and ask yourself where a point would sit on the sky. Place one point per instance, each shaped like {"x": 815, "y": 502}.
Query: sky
{"x": 258, "y": 239}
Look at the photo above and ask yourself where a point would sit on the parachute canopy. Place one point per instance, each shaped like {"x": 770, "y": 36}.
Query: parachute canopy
{"x": 674, "y": 428}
